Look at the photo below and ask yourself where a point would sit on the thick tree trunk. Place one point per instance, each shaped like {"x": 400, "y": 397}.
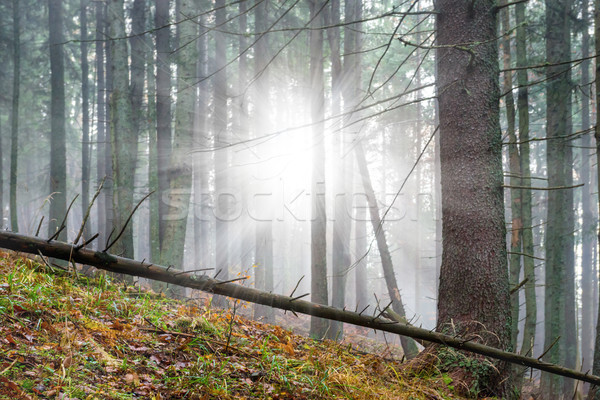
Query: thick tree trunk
{"x": 559, "y": 318}
{"x": 112, "y": 263}
{"x": 58, "y": 153}
{"x": 318, "y": 327}
{"x": 526, "y": 213}
{"x": 473, "y": 297}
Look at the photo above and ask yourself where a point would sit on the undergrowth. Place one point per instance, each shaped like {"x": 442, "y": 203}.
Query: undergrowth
{"x": 66, "y": 336}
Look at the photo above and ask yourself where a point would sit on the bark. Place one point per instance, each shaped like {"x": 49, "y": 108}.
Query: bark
{"x": 559, "y": 318}
{"x": 594, "y": 393}
{"x": 341, "y": 225}
{"x": 123, "y": 135}
{"x": 318, "y": 327}
{"x": 58, "y": 154}
{"x": 526, "y": 212}
{"x": 112, "y": 263}
{"x": 154, "y": 233}
{"x": 14, "y": 132}
{"x": 587, "y": 228}
{"x": 85, "y": 119}
{"x": 201, "y": 163}
{"x": 181, "y": 158}
{"x": 515, "y": 181}
{"x": 408, "y": 345}
{"x": 163, "y": 104}
{"x": 101, "y": 120}
{"x": 263, "y": 229}
{"x": 473, "y": 296}
{"x": 221, "y": 137}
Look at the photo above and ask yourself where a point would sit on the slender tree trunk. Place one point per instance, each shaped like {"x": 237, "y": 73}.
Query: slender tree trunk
{"x": 594, "y": 393}
{"x": 101, "y": 122}
{"x": 588, "y": 225}
{"x": 201, "y": 163}
{"x": 2, "y": 226}
{"x": 14, "y": 134}
{"x": 123, "y": 135}
{"x": 154, "y": 234}
{"x": 163, "y": 105}
{"x": 58, "y": 154}
{"x": 473, "y": 298}
{"x": 559, "y": 318}
{"x": 341, "y": 225}
{"x": 264, "y": 228}
{"x": 85, "y": 119}
{"x": 181, "y": 158}
{"x": 408, "y": 345}
{"x": 221, "y": 134}
{"x": 526, "y": 213}
{"x": 515, "y": 180}
{"x": 318, "y": 327}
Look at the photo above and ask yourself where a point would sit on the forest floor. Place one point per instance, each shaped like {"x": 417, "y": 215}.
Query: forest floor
{"x": 65, "y": 336}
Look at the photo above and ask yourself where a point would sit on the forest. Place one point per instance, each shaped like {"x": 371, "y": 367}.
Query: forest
{"x": 422, "y": 174}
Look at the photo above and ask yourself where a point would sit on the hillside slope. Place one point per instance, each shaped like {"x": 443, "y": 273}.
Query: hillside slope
{"x": 65, "y": 336}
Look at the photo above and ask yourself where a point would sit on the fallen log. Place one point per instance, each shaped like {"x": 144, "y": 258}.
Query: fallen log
{"x": 112, "y": 263}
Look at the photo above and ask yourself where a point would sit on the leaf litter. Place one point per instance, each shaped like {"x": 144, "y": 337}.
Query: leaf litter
{"x": 66, "y": 336}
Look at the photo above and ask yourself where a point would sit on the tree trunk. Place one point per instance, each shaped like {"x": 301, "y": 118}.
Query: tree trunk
{"x": 526, "y": 213}
{"x": 181, "y": 158}
{"x": 85, "y": 119}
{"x": 221, "y": 135}
{"x": 588, "y": 224}
{"x": 559, "y": 318}
{"x": 408, "y": 345}
{"x": 594, "y": 393}
{"x": 58, "y": 154}
{"x": 101, "y": 122}
{"x": 515, "y": 180}
{"x": 14, "y": 133}
{"x": 473, "y": 298}
{"x": 318, "y": 240}
{"x": 163, "y": 105}
{"x": 341, "y": 225}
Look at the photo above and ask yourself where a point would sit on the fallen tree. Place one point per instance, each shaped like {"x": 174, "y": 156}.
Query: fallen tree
{"x": 102, "y": 260}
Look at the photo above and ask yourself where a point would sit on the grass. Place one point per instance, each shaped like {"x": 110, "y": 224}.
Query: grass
{"x": 71, "y": 337}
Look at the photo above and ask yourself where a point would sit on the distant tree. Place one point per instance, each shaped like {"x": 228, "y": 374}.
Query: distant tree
{"x": 85, "y": 114}
{"x": 101, "y": 133}
{"x": 473, "y": 298}
{"x": 123, "y": 136}
{"x": 58, "y": 153}
{"x": 559, "y": 315}
{"x": 526, "y": 211}
{"x": 222, "y": 138}
{"x": 181, "y": 158}
{"x": 163, "y": 104}
{"x": 318, "y": 326}
{"x": 14, "y": 135}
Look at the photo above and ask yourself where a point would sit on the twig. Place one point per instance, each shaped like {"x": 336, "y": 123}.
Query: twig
{"x": 127, "y": 222}
{"x": 519, "y": 286}
{"x": 299, "y": 297}
{"x": 297, "y": 284}
{"x": 63, "y": 223}
{"x": 543, "y": 188}
{"x": 549, "y": 348}
{"x": 86, "y": 242}
{"x": 37, "y": 232}
{"x": 87, "y": 213}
